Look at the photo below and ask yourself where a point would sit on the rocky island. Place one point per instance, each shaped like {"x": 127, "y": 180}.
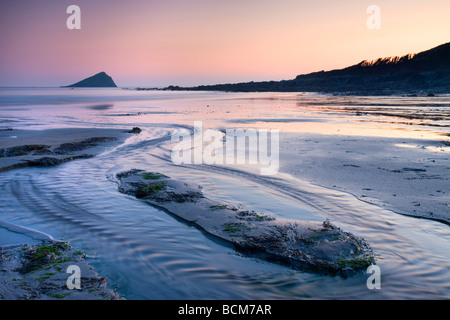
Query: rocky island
{"x": 100, "y": 80}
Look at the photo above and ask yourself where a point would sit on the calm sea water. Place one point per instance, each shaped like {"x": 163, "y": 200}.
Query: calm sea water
{"x": 147, "y": 254}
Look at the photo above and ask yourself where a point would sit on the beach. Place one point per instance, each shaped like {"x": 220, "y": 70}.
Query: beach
{"x": 381, "y": 177}
{"x": 230, "y": 152}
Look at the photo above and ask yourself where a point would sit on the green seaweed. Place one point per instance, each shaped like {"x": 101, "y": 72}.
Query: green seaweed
{"x": 63, "y": 245}
{"x": 42, "y": 279}
{"x": 39, "y": 257}
{"x": 153, "y": 175}
{"x": 61, "y": 260}
{"x": 43, "y": 251}
{"x": 150, "y": 190}
{"x": 356, "y": 263}
{"x": 253, "y": 216}
{"x": 218, "y": 207}
{"x": 236, "y": 227}
{"x": 78, "y": 253}
{"x": 44, "y": 257}
{"x": 58, "y": 295}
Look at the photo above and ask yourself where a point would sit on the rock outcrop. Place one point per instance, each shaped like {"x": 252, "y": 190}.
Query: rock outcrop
{"x": 39, "y": 272}
{"x": 308, "y": 246}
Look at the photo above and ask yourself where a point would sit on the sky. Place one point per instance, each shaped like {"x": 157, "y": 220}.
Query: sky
{"x": 193, "y": 42}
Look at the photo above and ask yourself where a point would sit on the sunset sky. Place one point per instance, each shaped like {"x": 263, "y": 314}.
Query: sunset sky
{"x": 193, "y": 42}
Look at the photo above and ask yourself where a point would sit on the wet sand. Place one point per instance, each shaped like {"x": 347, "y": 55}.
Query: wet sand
{"x": 407, "y": 176}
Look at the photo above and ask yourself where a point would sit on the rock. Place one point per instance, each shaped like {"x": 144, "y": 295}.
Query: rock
{"x": 49, "y": 161}
{"x": 39, "y": 272}
{"x": 67, "y": 148}
{"x": 22, "y": 150}
{"x": 135, "y": 130}
{"x": 308, "y": 246}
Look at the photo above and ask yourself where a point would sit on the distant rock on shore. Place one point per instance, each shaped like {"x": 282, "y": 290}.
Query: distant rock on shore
{"x": 100, "y": 80}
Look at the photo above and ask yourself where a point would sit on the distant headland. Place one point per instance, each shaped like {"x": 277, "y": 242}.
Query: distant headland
{"x": 427, "y": 72}
{"x": 100, "y": 80}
